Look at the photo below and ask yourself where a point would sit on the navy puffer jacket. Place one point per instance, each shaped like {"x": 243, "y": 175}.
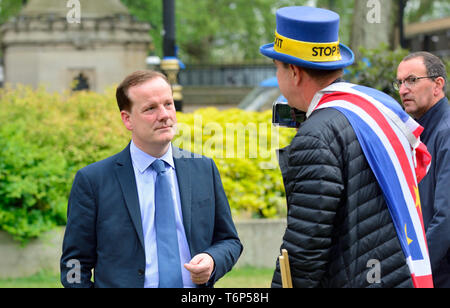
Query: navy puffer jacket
{"x": 339, "y": 230}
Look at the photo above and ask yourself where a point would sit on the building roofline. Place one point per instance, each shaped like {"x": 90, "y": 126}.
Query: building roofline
{"x": 426, "y": 27}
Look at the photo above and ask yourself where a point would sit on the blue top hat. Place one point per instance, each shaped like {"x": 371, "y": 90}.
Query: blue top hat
{"x": 308, "y": 37}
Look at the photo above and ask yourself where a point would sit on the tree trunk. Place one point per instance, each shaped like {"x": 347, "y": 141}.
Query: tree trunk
{"x": 375, "y": 22}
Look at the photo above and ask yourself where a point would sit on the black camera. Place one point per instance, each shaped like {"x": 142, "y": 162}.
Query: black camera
{"x": 286, "y": 116}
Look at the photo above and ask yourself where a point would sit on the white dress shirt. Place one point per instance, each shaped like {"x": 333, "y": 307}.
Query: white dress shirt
{"x": 145, "y": 181}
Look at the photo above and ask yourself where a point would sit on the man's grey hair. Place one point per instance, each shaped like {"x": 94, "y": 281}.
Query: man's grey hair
{"x": 433, "y": 65}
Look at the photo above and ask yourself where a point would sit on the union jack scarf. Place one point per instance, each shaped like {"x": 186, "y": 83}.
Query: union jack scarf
{"x": 390, "y": 140}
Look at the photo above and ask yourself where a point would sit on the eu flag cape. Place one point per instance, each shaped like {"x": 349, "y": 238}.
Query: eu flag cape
{"x": 390, "y": 140}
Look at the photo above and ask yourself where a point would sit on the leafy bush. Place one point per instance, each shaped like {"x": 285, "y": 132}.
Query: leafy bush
{"x": 243, "y": 146}
{"x": 377, "y": 69}
{"x": 46, "y": 137}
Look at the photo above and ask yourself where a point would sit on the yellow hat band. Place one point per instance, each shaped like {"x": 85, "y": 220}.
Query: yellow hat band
{"x": 314, "y": 52}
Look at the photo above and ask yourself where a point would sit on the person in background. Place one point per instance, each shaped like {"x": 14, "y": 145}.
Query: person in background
{"x": 152, "y": 215}
{"x": 421, "y": 82}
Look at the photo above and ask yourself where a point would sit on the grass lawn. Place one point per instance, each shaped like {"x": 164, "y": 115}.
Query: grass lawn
{"x": 41, "y": 280}
{"x": 247, "y": 277}
{"x": 238, "y": 278}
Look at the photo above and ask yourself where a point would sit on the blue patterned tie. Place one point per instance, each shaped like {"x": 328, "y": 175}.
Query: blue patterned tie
{"x": 169, "y": 265}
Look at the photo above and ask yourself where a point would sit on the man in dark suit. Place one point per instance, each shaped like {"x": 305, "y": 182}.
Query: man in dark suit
{"x": 117, "y": 205}
{"x": 421, "y": 82}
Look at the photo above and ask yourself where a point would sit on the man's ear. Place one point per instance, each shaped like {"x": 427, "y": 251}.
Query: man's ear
{"x": 296, "y": 74}
{"x": 126, "y": 119}
{"x": 439, "y": 88}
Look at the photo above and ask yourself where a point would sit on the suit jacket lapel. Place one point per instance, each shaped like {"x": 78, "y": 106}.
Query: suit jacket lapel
{"x": 184, "y": 185}
{"x": 125, "y": 175}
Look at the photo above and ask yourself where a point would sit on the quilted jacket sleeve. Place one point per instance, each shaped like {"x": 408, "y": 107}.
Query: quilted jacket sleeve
{"x": 314, "y": 186}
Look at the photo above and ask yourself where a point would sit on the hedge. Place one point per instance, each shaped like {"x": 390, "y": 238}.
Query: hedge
{"x": 46, "y": 137}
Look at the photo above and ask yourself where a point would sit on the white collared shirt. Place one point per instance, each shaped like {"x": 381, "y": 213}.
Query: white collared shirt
{"x": 145, "y": 181}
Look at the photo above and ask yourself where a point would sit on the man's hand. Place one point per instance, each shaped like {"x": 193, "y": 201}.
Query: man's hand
{"x": 201, "y": 266}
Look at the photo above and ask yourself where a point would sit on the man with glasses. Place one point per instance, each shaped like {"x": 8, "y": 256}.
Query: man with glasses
{"x": 421, "y": 82}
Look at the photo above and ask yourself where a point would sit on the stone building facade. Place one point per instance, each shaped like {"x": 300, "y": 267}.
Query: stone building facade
{"x": 46, "y": 44}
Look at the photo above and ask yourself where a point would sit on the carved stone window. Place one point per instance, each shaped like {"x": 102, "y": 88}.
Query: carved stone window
{"x": 81, "y": 83}
{"x": 82, "y": 79}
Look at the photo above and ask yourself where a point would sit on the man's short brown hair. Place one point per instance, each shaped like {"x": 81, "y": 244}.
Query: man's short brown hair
{"x": 135, "y": 79}
{"x": 321, "y": 76}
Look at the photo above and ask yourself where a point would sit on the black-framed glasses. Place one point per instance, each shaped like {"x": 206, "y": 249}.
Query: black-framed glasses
{"x": 409, "y": 82}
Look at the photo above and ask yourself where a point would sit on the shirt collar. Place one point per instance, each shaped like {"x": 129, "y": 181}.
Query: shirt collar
{"x": 428, "y": 116}
{"x": 143, "y": 160}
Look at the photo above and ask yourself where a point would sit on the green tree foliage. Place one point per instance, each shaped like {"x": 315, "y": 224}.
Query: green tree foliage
{"x": 420, "y": 10}
{"x": 377, "y": 68}
{"x": 9, "y": 8}
{"x": 233, "y": 30}
{"x": 214, "y": 30}
{"x": 345, "y": 11}
{"x": 149, "y": 11}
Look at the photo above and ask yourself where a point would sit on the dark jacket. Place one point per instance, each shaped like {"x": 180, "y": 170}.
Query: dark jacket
{"x": 434, "y": 190}
{"x": 104, "y": 228}
{"x": 339, "y": 230}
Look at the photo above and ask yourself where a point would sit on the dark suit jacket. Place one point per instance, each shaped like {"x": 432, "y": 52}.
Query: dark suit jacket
{"x": 434, "y": 190}
{"x": 104, "y": 228}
